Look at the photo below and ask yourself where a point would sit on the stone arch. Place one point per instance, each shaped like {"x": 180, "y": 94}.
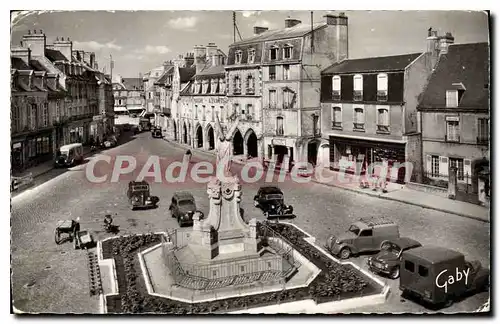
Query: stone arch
{"x": 238, "y": 144}
{"x": 312, "y": 151}
{"x": 210, "y": 137}
{"x": 184, "y": 134}
{"x": 251, "y": 144}
{"x": 324, "y": 154}
{"x": 198, "y": 136}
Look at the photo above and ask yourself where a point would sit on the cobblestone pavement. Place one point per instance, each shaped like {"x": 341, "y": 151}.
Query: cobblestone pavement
{"x": 51, "y": 278}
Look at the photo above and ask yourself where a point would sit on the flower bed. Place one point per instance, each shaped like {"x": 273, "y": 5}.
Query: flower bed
{"x": 334, "y": 282}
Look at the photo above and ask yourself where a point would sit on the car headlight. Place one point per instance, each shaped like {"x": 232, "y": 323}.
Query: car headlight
{"x": 337, "y": 241}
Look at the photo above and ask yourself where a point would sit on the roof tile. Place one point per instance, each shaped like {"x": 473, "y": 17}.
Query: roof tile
{"x": 372, "y": 64}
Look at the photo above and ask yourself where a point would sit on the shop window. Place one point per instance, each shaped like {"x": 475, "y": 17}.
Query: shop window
{"x": 336, "y": 87}
{"x": 279, "y": 126}
{"x": 359, "y": 119}
{"x": 336, "y": 117}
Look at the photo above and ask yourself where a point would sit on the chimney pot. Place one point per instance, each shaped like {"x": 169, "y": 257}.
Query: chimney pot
{"x": 259, "y": 30}
{"x": 290, "y": 22}
{"x": 41, "y": 32}
{"x": 29, "y": 32}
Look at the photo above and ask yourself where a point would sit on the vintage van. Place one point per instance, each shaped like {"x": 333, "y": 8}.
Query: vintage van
{"x": 69, "y": 155}
{"x": 439, "y": 276}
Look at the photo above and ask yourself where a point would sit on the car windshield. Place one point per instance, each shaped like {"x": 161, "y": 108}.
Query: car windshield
{"x": 63, "y": 154}
{"x": 392, "y": 248}
{"x": 354, "y": 229}
{"x": 140, "y": 188}
{"x": 186, "y": 203}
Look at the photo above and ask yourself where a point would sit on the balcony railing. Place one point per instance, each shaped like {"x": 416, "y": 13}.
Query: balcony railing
{"x": 453, "y": 139}
{"x": 482, "y": 140}
{"x": 381, "y": 95}
{"x": 336, "y": 125}
{"x": 359, "y": 126}
{"x": 358, "y": 95}
{"x": 237, "y": 91}
{"x": 335, "y": 95}
{"x": 383, "y": 129}
{"x": 250, "y": 91}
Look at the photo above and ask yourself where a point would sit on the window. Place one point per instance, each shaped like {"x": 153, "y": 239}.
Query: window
{"x": 214, "y": 273}
{"x": 336, "y": 87}
{"x": 236, "y": 110}
{"x": 459, "y": 164}
{"x": 251, "y": 55}
{"x": 288, "y": 98}
{"x": 435, "y": 166}
{"x": 243, "y": 112}
{"x": 382, "y": 87}
{"x": 222, "y": 86}
{"x": 250, "y": 84}
{"x": 205, "y": 86}
{"x": 359, "y": 119}
{"x": 383, "y": 120}
{"x": 336, "y": 117}
{"x": 452, "y": 129}
{"x": 272, "y": 98}
{"x": 287, "y": 51}
{"x": 279, "y": 126}
{"x": 213, "y": 113}
{"x": 358, "y": 87}
{"x": 237, "y": 84}
{"x": 410, "y": 266}
{"x": 15, "y": 118}
{"x": 203, "y": 112}
{"x": 273, "y": 53}
{"x": 242, "y": 268}
{"x": 423, "y": 271}
{"x": 45, "y": 115}
{"x": 195, "y": 111}
{"x": 451, "y": 98}
{"x": 483, "y": 130}
{"x": 237, "y": 57}
{"x": 286, "y": 72}
{"x": 249, "y": 111}
{"x": 272, "y": 72}
{"x": 32, "y": 116}
{"x": 366, "y": 232}
{"x": 269, "y": 265}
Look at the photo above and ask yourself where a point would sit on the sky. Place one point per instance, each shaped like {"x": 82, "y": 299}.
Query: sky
{"x": 141, "y": 40}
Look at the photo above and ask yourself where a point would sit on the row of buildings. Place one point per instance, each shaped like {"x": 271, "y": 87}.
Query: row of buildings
{"x": 298, "y": 94}
{"x": 58, "y": 96}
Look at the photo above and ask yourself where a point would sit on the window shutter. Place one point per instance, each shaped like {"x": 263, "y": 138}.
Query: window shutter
{"x": 443, "y": 165}
{"x": 428, "y": 164}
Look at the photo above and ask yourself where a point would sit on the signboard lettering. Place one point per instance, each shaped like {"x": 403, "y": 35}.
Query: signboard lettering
{"x": 443, "y": 282}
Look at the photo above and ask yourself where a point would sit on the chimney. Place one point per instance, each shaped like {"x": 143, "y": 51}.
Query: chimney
{"x": 290, "y": 22}
{"x": 81, "y": 54}
{"x": 212, "y": 54}
{"x": 189, "y": 60}
{"x": 340, "y": 19}
{"x": 64, "y": 46}
{"x": 36, "y": 42}
{"x": 444, "y": 42}
{"x": 259, "y": 30}
{"x": 199, "y": 57}
{"x": 93, "y": 63}
{"x": 22, "y": 53}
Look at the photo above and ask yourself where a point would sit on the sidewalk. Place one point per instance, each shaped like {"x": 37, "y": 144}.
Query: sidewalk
{"x": 395, "y": 192}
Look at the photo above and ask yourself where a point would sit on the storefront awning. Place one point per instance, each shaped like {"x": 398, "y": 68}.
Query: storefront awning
{"x": 362, "y": 138}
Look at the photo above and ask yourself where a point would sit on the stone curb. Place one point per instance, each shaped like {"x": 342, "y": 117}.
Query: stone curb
{"x": 362, "y": 192}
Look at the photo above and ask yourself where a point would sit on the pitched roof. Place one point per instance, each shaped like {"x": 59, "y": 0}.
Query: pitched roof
{"x": 292, "y": 32}
{"x": 186, "y": 73}
{"x": 464, "y": 63}
{"x": 210, "y": 70}
{"x": 163, "y": 78}
{"x": 132, "y": 83}
{"x": 18, "y": 64}
{"x": 372, "y": 64}
{"x": 37, "y": 66}
{"x": 54, "y": 55}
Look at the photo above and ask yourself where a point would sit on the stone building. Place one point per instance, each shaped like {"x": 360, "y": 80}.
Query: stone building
{"x": 369, "y": 112}
{"x": 291, "y": 60}
{"x": 455, "y": 116}
{"x": 201, "y": 99}
{"x": 128, "y": 98}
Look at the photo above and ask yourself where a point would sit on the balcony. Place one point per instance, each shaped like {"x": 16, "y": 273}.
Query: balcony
{"x": 336, "y": 125}
{"x": 250, "y": 91}
{"x": 360, "y": 127}
{"x": 237, "y": 91}
{"x": 482, "y": 140}
{"x": 383, "y": 129}
{"x": 452, "y": 139}
{"x": 382, "y": 96}
{"x": 357, "y": 95}
{"x": 335, "y": 95}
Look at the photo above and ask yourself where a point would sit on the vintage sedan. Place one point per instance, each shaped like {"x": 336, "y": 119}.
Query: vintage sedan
{"x": 271, "y": 201}
{"x": 183, "y": 208}
{"x": 387, "y": 261}
{"x": 139, "y": 196}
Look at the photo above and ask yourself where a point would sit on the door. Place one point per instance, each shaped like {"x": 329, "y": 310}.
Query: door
{"x": 364, "y": 242}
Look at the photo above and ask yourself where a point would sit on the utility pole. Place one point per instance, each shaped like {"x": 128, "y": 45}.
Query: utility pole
{"x": 312, "y": 33}
{"x": 111, "y": 66}
{"x": 234, "y": 26}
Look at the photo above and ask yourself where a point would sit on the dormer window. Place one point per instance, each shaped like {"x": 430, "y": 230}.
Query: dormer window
{"x": 336, "y": 87}
{"x": 250, "y": 84}
{"x": 451, "y": 98}
{"x": 197, "y": 86}
{"x": 273, "y": 53}
{"x": 382, "y": 87}
{"x": 213, "y": 86}
{"x": 287, "y": 51}
{"x": 205, "y": 86}
{"x": 358, "y": 87}
{"x": 237, "y": 57}
{"x": 251, "y": 55}
{"x": 222, "y": 85}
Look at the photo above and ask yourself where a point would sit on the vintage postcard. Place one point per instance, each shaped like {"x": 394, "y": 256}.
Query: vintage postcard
{"x": 250, "y": 162}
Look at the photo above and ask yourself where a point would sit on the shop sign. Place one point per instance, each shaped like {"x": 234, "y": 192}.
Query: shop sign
{"x": 208, "y": 100}
{"x": 97, "y": 118}
{"x": 278, "y": 141}
{"x": 17, "y": 145}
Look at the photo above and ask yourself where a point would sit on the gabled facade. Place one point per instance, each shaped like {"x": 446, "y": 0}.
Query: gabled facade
{"x": 369, "y": 113}
{"x": 455, "y": 114}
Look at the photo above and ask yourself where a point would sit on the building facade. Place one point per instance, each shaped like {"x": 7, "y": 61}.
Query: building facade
{"x": 455, "y": 117}
{"x": 291, "y": 60}
{"x": 369, "y": 113}
{"x": 129, "y": 101}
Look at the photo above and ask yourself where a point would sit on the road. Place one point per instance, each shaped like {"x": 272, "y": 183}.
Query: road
{"x": 51, "y": 278}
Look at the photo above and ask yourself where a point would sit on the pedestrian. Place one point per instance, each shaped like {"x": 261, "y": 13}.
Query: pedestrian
{"x": 189, "y": 155}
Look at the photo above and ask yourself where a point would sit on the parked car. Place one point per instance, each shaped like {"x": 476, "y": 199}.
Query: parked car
{"x": 271, "y": 201}
{"x": 139, "y": 196}
{"x": 69, "y": 155}
{"x": 388, "y": 259}
{"x": 156, "y": 133}
{"x": 365, "y": 235}
{"x": 183, "y": 208}
{"x": 438, "y": 276}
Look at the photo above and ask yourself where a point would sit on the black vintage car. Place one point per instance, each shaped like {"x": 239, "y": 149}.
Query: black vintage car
{"x": 387, "y": 261}
{"x": 139, "y": 196}
{"x": 270, "y": 200}
{"x": 183, "y": 208}
{"x": 156, "y": 132}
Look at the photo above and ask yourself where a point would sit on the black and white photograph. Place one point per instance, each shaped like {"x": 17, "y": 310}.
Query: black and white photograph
{"x": 193, "y": 162}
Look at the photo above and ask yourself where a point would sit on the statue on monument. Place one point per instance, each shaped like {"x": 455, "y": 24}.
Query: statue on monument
{"x": 224, "y": 153}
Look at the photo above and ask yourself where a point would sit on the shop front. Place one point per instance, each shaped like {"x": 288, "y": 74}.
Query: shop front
{"x": 31, "y": 150}
{"x": 351, "y": 154}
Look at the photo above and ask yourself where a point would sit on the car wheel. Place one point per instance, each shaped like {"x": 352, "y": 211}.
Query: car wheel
{"x": 394, "y": 273}
{"x": 448, "y": 303}
{"x": 345, "y": 253}
{"x": 266, "y": 214}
